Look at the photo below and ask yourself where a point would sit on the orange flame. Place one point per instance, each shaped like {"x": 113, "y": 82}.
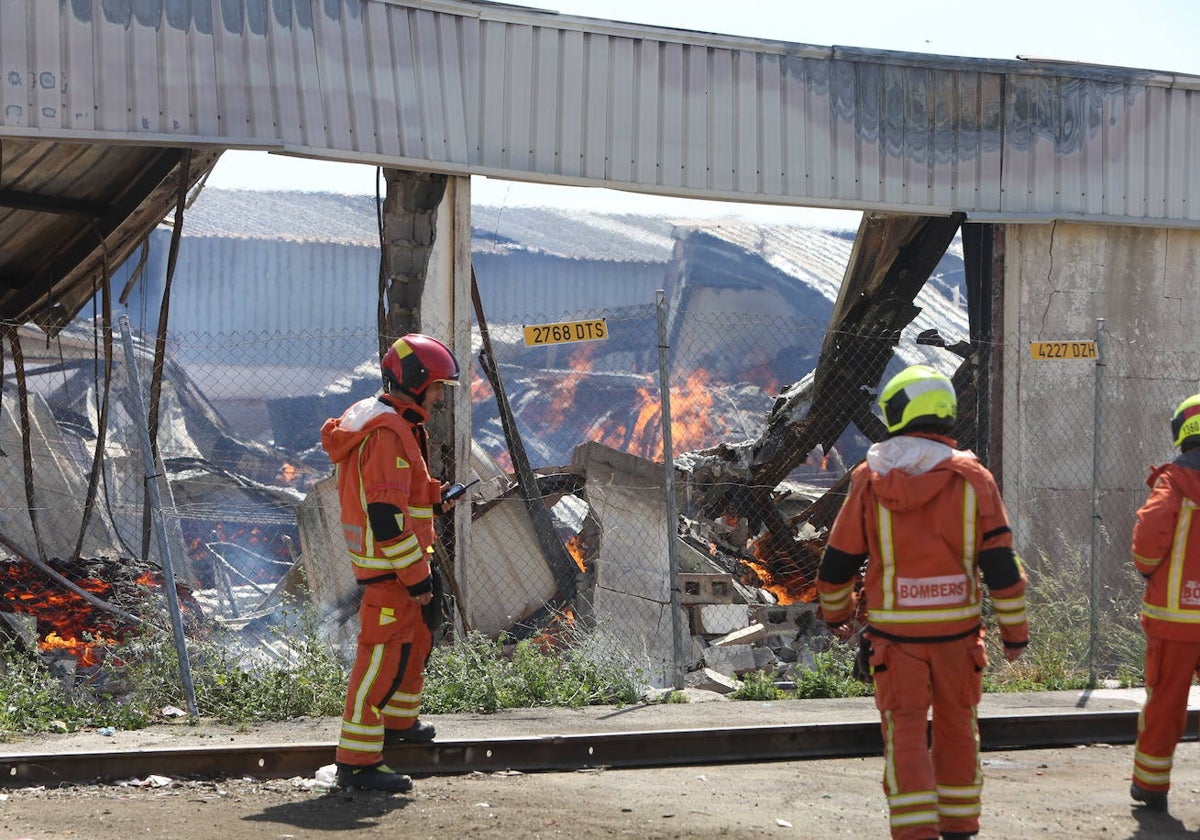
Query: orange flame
{"x": 575, "y": 549}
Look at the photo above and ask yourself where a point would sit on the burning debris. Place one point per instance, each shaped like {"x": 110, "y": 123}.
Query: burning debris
{"x": 85, "y": 607}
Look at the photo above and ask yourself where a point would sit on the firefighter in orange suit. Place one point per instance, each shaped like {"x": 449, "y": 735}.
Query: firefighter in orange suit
{"x": 388, "y": 501}
{"x": 926, "y": 520}
{"x": 1166, "y": 550}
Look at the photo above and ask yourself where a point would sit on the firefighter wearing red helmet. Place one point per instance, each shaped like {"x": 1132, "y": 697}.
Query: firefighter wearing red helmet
{"x": 928, "y": 522}
{"x": 1166, "y": 551}
{"x": 388, "y": 501}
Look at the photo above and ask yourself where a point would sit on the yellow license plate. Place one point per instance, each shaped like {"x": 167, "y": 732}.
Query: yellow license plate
{"x": 1063, "y": 349}
{"x": 566, "y": 331}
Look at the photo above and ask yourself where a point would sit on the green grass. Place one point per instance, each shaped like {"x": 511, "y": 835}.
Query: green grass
{"x": 479, "y": 674}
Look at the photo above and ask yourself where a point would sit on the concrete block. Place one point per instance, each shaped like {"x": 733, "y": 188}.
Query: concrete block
{"x": 778, "y": 616}
{"x": 707, "y": 679}
{"x": 764, "y": 659}
{"x": 744, "y": 636}
{"x": 700, "y": 588}
{"x": 730, "y": 660}
{"x": 719, "y": 619}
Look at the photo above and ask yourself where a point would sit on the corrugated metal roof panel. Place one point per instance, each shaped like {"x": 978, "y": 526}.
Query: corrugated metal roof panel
{"x": 495, "y": 90}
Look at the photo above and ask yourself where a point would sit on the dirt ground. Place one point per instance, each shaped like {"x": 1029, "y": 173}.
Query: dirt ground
{"x": 1070, "y": 793}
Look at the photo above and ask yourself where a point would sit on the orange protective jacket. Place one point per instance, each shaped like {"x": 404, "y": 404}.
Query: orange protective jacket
{"x": 930, "y": 519}
{"x": 1166, "y": 550}
{"x": 377, "y": 448}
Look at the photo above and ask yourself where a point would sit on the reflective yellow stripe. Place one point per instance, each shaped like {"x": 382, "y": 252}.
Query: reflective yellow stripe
{"x": 913, "y": 818}
{"x": 963, "y": 810}
{"x": 1179, "y": 552}
{"x": 1153, "y": 762}
{"x": 371, "y": 673}
{"x": 931, "y": 616}
{"x": 887, "y": 551}
{"x": 408, "y": 558}
{"x": 1147, "y": 561}
{"x": 372, "y": 563}
{"x": 919, "y": 797}
{"x": 970, "y": 516}
{"x": 1167, "y": 614}
{"x": 839, "y": 599}
{"x": 368, "y": 544}
{"x": 420, "y": 512}
{"x": 406, "y": 546}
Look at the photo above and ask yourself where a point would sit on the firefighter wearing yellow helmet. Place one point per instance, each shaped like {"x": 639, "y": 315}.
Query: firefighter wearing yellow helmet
{"x": 1166, "y": 550}
{"x": 928, "y": 522}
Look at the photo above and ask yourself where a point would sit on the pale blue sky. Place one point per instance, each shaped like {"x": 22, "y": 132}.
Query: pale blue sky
{"x": 1151, "y": 34}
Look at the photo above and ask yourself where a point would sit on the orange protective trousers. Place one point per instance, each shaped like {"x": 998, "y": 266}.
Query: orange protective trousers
{"x": 384, "y": 690}
{"x": 931, "y": 788}
{"x": 1170, "y": 666}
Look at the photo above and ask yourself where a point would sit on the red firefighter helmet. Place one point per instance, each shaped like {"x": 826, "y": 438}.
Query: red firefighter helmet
{"x": 415, "y": 360}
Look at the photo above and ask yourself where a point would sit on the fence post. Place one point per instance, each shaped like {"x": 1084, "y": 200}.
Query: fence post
{"x": 153, "y": 471}
{"x": 1097, "y": 428}
{"x": 669, "y": 478}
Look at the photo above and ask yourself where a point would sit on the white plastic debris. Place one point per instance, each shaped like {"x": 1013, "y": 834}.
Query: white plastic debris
{"x": 324, "y": 779}
{"x": 783, "y": 823}
{"x": 173, "y": 711}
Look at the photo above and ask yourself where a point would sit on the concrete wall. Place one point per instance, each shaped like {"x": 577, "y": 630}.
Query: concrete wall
{"x": 1058, "y": 280}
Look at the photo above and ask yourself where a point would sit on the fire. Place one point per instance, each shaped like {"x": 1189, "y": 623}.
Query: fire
{"x": 568, "y": 385}
{"x": 575, "y": 549}
{"x": 68, "y": 623}
{"x": 788, "y": 571}
{"x": 793, "y": 590}
{"x": 556, "y": 633}
{"x": 695, "y": 423}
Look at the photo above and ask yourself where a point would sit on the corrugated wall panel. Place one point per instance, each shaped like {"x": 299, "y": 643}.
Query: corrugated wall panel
{"x": 463, "y": 88}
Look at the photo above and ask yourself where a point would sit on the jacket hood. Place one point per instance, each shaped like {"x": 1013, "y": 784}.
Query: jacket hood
{"x": 1187, "y": 479}
{"x": 340, "y": 436}
{"x": 907, "y": 471}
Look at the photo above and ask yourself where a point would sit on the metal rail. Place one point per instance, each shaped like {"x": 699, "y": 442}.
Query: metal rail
{"x": 654, "y": 748}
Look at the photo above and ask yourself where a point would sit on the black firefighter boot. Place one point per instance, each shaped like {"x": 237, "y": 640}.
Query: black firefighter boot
{"x": 1154, "y": 800}
{"x": 378, "y": 777}
{"x": 419, "y": 733}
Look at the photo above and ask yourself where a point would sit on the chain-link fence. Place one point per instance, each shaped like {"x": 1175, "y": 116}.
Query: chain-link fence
{"x": 563, "y": 420}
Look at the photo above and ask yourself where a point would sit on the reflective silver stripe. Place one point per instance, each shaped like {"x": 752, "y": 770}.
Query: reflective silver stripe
{"x": 420, "y": 512}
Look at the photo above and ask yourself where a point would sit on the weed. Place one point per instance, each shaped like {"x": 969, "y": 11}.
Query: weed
{"x": 832, "y": 675}
{"x": 1058, "y": 604}
{"x": 758, "y": 685}
{"x": 478, "y": 674}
